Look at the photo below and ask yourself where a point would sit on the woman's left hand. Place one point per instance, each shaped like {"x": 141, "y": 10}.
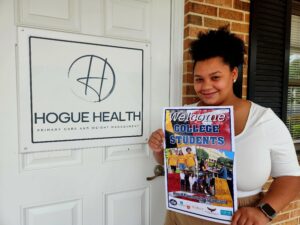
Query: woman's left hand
{"x": 249, "y": 216}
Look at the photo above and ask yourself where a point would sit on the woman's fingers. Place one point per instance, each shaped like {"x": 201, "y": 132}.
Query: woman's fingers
{"x": 156, "y": 140}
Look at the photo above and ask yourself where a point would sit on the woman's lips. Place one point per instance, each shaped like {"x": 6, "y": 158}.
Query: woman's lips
{"x": 208, "y": 95}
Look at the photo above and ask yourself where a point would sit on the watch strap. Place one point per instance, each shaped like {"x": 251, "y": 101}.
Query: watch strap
{"x": 267, "y": 210}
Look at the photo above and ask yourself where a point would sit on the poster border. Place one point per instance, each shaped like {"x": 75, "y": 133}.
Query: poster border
{"x": 235, "y": 203}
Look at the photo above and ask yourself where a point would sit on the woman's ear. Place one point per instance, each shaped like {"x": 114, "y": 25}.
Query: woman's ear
{"x": 235, "y": 74}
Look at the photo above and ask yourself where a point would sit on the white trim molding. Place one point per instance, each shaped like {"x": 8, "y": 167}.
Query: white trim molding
{"x": 176, "y": 61}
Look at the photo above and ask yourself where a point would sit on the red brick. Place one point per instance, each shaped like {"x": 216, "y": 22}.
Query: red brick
{"x": 194, "y": 31}
{"x": 189, "y": 100}
{"x": 187, "y": 56}
{"x": 194, "y": 19}
{"x": 187, "y": 67}
{"x": 203, "y": 9}
{"x": 245, "y": 81}
{"x": 214, "y": 23}
{"x": 295, "y": 213}
{"x": 231, "y": 14}
{"x": 281, "y": 217}
{"x": 198, "y": 0}
{"x": 190, "y": 67}
{"x": 188, "y": 78}
{"x": 267, "y": 185}
{"x": 245, "y": 60}
{"x": 186, "y": 31}
{"x": 290, "y": 222}
{"x": 247, "y": 17}
{"x": 246, "y": 49}
{"x": 240, "y": 36}
{"x": 241, "y": 5}
{"x": 188, "y": 89}
{"x": 239, "y": 27}
{"x": 292, "y": 206}
{"x": 225, "y": 3}
{"x": 245, "y": 68}
{"x": 184, "y": 65}
{"x": 246, "y": 39}
{"x": 187, "y": 43}
{"x": 244, "y": 92}
{"x": 187, "y": 7}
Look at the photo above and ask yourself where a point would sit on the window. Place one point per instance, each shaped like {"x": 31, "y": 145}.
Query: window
{"x": 273, "y": 79}
{"x": 293, "y": 102}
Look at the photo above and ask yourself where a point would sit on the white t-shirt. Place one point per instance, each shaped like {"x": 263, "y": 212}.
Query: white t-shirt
{"x": 182, "y": 175}
{"x": 264, "y": 148}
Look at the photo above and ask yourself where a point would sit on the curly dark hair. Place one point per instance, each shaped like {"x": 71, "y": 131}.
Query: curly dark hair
{"x": 220, "y": 43}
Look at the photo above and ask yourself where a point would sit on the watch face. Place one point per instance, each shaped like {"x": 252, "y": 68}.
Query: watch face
{"x": 268, "y": 209}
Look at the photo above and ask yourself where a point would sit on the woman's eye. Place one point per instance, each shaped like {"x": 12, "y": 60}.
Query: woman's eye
{"x": 198, "y": 79}
{"x": 215, "y": 78}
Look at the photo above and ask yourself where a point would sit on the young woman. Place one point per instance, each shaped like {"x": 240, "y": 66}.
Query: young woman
{"x": 263, "y": 144}
{"x": 172, "y": 161}
{"x": 181, "y": 160}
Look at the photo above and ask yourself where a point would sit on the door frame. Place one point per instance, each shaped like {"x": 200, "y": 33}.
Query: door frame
{"x": 176, "y": 52}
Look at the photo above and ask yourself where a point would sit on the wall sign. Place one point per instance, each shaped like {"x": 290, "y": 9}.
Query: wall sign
{"x": 78, "y": 91}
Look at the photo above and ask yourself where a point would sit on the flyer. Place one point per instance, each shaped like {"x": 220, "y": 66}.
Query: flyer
{"x": 199, "y": 162}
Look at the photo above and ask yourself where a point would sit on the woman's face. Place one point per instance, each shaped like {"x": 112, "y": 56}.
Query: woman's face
{"x": 213, "y": 81}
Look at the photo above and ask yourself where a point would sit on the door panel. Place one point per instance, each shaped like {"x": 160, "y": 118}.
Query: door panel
{"x": 95, "y": 186}
{"x": 55, "y": 14}
{"x": 127, "y": 207}
{"x": 64, "y": 213}
{"x": 119, "y": 21}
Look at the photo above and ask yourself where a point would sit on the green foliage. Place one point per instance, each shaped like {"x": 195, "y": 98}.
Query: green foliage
{"x": 294, "y": 69}
{"x": 201, "y": 154}
{"x": 227, "y": 162}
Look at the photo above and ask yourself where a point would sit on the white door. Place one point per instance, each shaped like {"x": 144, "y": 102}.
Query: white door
{"x": 99, "y": 186}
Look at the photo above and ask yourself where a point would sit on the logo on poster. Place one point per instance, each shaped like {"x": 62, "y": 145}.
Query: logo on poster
{"x": 91, "y": 78}
{"x": 173, "y": 202}
{"x": 211, "y": 209}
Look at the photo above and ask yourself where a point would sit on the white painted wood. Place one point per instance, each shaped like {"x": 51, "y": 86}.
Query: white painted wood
{"x": 127, "y": 207}
{"x": 176, "y": 73}
{"x": 125, "y": 152}
{"x": 92, "y": 184}
{"x": 50, "y": 159}
{"x": 127, "y": 19}
{"x": 92, "y": 17}
{"x": 61, "y": 213}
{"x": 51, "y": 14}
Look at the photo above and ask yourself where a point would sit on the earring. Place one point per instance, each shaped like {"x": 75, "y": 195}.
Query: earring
{"x": 234, "y": 80}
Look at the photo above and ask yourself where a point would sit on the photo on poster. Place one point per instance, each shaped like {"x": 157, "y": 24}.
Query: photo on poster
{"x": 199, "y": 162}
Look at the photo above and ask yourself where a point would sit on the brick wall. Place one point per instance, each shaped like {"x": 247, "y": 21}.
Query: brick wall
{"x": 290, "y": 215}
{"x": 201, "y": 15}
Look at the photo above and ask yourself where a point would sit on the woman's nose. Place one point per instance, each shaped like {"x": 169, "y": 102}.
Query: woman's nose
{"x": 206, "y": 85}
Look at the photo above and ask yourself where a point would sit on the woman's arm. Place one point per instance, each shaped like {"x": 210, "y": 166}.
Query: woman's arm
{"x": 282, "y": 191}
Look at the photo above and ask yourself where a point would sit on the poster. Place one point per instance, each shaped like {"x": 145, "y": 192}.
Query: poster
{"x": 80, "y": 91}
{"x": 199, "y": 162}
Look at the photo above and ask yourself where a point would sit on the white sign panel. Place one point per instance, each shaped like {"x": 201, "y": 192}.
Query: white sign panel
{"x": 80, "y": 91}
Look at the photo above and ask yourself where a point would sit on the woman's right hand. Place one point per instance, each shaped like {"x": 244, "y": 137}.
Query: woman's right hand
{"x": 156, "y": 140}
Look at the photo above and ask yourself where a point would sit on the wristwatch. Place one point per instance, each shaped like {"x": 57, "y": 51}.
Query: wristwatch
{"x": 267, "y": 210}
